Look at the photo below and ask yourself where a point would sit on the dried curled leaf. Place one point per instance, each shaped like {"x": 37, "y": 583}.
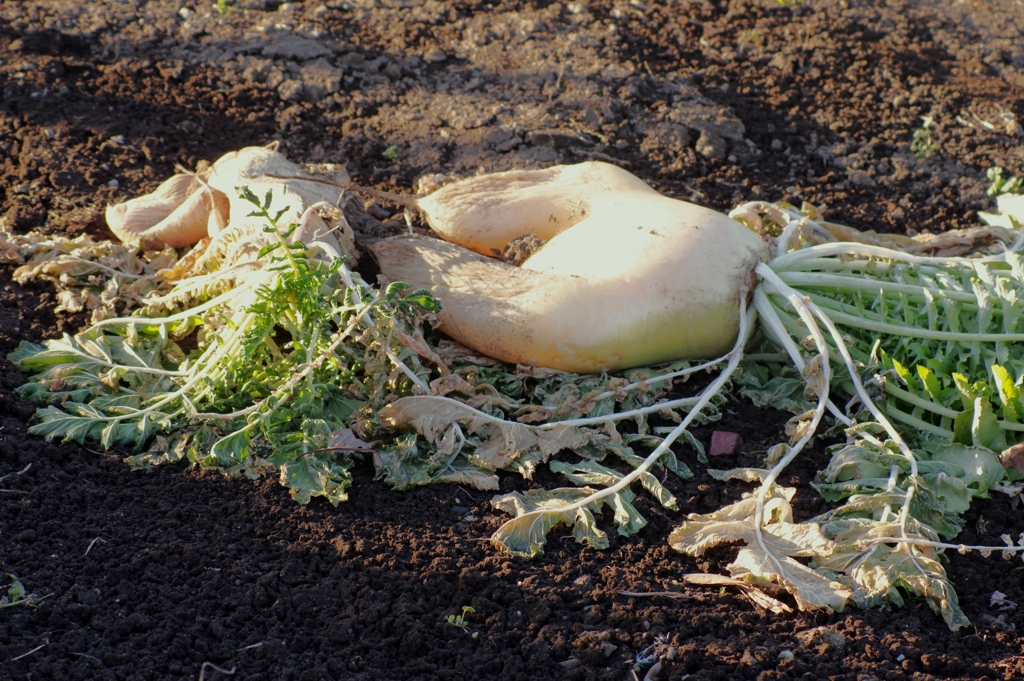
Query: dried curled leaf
{"x": 537, "y": 513}
{"x": 767, "y": 558}
{"x": 503, "y": 442}
{"x": 866, "y": 560}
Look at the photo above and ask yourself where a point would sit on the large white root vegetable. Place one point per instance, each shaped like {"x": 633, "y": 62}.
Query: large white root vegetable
{"x": 629, "y": 277}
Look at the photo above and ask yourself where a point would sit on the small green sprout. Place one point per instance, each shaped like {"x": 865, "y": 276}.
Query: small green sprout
{"x": 1002, "y": 185}
{"x": 460, "y": 621}
{"x": 749, "y": 36}
{"x": 391, "y": 153}
{"x": 16, "y": 595}
{"x": 221, "y": 6}
{"x": 923, "y": 145}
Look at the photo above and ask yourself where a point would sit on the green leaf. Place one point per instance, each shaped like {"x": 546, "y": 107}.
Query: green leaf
{"x": 199, "y": 443}
{"x": 780, "y": 392}
{"x": 461, "y": 472}
{"x": 903, "y": 373}
{"x": 962, "y": 428}
{"x": 982, "y": 468}
{"x": 267, "y": 249}
{"x": 585, "y": 530}
{"x": 586, "y": 473}
{"x": 394, "y": 289}
{"x": 627, "y": 518}
{"x": 56, "y": 423}
{"x": 744, "y": 474}
{"x": 931, "y": 383}
{"x": 985, "y": 430}
{"x": 317, "y": 475}
{"x": 658, "y": 491}
{"x": 228, "y": 451}
{"x": 967, "y": 391}
{"x": 537, "y": 513}
{"x": 1009, "y": 394}
{"x": 161, "y": 453}
{"x": 669, "y": 460}
{"x": 246, "y": 193}
{"x": 526, "y": 536}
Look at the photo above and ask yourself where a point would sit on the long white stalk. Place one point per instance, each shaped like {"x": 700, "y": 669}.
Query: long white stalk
{"x": 747, "y": 319}
{"x": 800, "y": 305}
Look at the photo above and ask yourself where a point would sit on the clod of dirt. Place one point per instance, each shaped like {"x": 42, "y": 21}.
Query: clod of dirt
{"x": 521, "y": 248}
{"x": 822, "y": 639}
{"x": 1013, "y": 457}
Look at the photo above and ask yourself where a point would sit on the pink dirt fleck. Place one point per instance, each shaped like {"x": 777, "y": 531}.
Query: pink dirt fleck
{"x": 724, "y": 443}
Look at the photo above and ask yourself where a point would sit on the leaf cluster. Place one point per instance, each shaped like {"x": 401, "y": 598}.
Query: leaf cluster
{"x": 281, "y": 361}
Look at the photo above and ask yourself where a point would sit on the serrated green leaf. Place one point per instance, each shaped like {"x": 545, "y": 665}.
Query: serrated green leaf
{"x": 317, "y": 475}
{"x": 56, "y": 423}
{"x": 931, "y": 383}
{"x": 537, "y": 513}
{"x": 267, "y": 249}
{"x": 903, "y": 373}
{"x": 1009, "y": 394}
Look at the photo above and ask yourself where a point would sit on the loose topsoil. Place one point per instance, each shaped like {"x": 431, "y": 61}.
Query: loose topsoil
{"x": 151, "y": 575}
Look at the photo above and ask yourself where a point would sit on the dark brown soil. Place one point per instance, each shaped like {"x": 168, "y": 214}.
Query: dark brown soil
{"x": 149, "y": 575}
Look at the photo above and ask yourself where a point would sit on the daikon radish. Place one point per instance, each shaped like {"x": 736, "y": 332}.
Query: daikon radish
{"x": 628, "y": 278}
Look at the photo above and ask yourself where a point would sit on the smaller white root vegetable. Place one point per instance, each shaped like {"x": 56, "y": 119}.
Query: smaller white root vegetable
{"x": 181, "y": 211}
{"x": 257, "y": 168}
{"x": 191, "y": 206}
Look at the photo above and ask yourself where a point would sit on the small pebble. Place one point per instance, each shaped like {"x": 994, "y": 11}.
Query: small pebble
{"x": 113, "y": 183}
{"x": 435, "y": 56}
{"x": 786, "y": 655}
